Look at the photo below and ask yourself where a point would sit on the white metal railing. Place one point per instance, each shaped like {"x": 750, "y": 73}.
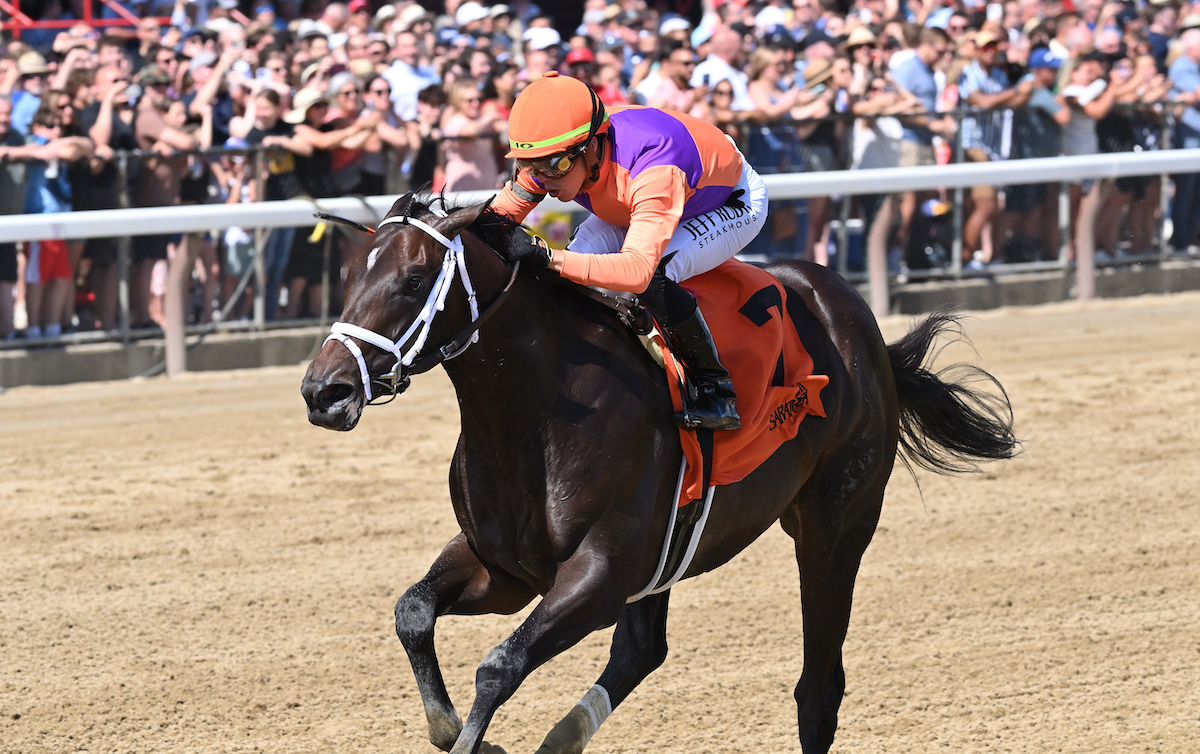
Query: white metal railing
{"x": 298, "y": 212}
{"x": 370, "y": 210}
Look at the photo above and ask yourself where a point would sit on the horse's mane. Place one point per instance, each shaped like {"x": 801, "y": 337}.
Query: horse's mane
{"x": 491, "y": 227}
{"x": 497, "y": 231}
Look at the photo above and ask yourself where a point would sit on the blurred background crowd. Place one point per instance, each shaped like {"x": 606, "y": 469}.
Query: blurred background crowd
{"x": 228, "y": 101}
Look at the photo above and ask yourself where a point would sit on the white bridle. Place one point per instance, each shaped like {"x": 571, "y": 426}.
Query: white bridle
{"x": 436, "y": 302}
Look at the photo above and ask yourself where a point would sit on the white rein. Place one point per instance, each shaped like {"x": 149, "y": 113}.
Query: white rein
{"x": 453, "y": 262}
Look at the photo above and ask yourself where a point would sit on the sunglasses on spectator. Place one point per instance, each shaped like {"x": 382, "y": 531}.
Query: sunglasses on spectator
{"x": 380, "y": 91}
{"x": 722, "y": 92}
{"x": 956, "y": 27}
{"x": 349, "y": 93}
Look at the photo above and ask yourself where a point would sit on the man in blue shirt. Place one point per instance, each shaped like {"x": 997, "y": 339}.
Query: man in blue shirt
{"x": 915, "y": 76}
{"x": 27, "y": 98}
{"x": 1031, "y": 209}
{"x": 407, "y": 76}
{"x": 1185, "y": 77}
{"x": 985, "y": 85}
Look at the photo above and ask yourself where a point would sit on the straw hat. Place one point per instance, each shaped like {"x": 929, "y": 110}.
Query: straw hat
{"x": 409, "y": 16}
{"x": 304, "y": 99}
{"x": 817, "y": 72}
{"x": 31, "y": 64}
{"x": 382, "y": 16}
{"x": 987, "y": 37}
{"x": 859, "y": 37}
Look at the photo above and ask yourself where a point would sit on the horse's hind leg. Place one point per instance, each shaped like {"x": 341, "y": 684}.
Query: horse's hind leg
{"x": 831, "y": 531}
{"x": 639, "y": 647}
{"x": 456, "y": 583}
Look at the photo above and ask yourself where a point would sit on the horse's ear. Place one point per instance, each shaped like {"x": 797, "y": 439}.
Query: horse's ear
{"x": 400, "y": 206}
{"x": 465, "y": 217}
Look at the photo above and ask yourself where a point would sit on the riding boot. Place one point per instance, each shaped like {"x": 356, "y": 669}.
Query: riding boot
{"x": 712, "y": 406}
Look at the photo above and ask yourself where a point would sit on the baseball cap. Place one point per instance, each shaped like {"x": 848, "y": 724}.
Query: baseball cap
{"x": 153, "y": 74}
{"x": 357, "y": 6}
{"x": 541, "y": 37}
{"x": 673, "y": 24}
{"x": 469, "y": 12}
{"x": 1042, "y": 57}
{"x": 309, "y": 28}
{"x": 770, "y": 16}
{"x": 580, "y": 55}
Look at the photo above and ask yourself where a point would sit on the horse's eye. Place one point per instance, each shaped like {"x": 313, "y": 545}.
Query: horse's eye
{"x": 413, "y": 284}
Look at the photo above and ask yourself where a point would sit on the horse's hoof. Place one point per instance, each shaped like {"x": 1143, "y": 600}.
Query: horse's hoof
{"x": 486, "y": 748}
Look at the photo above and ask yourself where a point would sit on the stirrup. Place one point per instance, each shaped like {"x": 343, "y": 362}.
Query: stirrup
{"x": 717, "y": 420}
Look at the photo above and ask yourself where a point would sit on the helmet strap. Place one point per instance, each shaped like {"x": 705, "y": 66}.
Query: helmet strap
{"x": 594, "y": 175}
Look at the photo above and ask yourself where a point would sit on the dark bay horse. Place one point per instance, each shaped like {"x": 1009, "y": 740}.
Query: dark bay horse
{"x": 564, "y": 474}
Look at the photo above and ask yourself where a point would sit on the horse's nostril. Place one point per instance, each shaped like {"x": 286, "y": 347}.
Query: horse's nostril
{"x": 334, "y": 394}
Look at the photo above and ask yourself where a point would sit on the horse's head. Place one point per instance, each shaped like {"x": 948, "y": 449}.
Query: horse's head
{"x": 394, "y": 288}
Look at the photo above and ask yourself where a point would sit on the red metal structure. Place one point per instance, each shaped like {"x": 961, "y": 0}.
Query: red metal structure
{"x": 18, "y": 21}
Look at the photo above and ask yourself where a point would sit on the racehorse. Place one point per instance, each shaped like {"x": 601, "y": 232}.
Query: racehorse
{"x": 563, "y": 477}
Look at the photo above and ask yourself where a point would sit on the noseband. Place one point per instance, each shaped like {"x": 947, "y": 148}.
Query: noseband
{"x": 410, "y": 362}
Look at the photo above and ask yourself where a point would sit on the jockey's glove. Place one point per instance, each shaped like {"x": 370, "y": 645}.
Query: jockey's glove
{"x": 530, "y": 250}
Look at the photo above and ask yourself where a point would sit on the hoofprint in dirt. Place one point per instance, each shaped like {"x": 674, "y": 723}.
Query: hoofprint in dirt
{"x": 189, "y": 565}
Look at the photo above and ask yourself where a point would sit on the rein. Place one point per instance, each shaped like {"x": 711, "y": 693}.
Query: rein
{"x": 411, "y": 362}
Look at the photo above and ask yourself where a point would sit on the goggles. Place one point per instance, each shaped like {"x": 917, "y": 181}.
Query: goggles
{"x": 552, "y": 167}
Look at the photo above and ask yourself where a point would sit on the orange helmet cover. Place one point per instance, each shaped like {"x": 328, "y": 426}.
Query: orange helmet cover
{"x": 553, "y": 114}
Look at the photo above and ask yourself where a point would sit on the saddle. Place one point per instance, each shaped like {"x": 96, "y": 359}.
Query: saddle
{"x": 747, "y": 311}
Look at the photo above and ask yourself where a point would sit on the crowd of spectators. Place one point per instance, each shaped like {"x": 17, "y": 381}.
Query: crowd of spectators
{"x": 366, "y": 97}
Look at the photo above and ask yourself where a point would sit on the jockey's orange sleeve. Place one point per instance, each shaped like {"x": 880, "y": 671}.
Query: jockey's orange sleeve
{"x": 661, "y": 167}
{"x": 655, "y": 200}
{"x": 517, "y": 199}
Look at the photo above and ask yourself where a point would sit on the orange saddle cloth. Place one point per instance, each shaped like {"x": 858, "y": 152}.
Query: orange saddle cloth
{"x": 771, "y": 371}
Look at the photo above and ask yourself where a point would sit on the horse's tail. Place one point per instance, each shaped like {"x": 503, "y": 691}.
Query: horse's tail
{"x": 947, "y": 422}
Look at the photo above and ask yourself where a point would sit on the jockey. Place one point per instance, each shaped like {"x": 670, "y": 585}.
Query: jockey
{"x": 669, "y": 192}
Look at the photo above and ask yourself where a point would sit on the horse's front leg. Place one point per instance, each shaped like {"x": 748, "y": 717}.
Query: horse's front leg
{"x": 586, "y": 596}
{"x": 456, "y": 583}
{"x": 639, "y": 647}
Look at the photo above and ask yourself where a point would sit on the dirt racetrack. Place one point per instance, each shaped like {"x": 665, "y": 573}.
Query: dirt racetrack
{"x": 189, "y": 566}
